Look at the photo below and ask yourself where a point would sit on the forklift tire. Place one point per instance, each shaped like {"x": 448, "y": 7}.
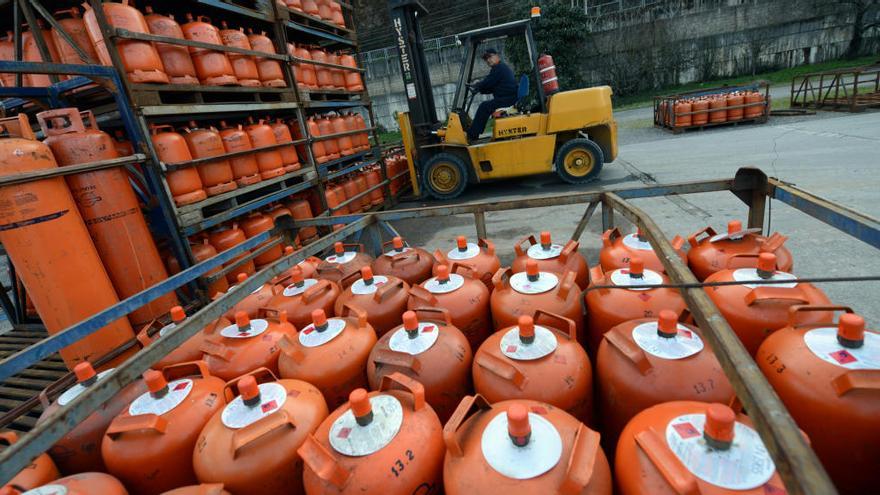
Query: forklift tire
{"x": 579, "y": 161}
{"x": 445, "y": 176}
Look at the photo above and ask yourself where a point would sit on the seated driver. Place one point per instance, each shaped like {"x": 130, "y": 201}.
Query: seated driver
{"x": 501, "y": 84}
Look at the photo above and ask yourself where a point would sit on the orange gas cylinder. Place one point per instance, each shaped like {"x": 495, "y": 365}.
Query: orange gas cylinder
{"x": 337, "y": 76}
{"x": 330, "y": 353}
{"x": 701, "y": 109}
{"x": 364, "y": 137}
{"x": 521, "y": 447}
{"x": 717, "y": 251}
{"x": 645, "y": 362}
{"x": 305, "y": 267}
{"x": 79, "y": 450}
{"x": 225, "y": 237}
{"x": 319, "y": 151}
{"x": 294, "y": 5}
{"x": 826, "y": 375}
{"x": 382, "y": 297}
{"x": 337, "y": 125}
{"x": 270, "y": 162}
{"x": 755, "y": 311}
{"x": 523, "y": 293}
{"x": 392, "y": 168}
{"x": 430, "y": 349}
{"x": 377, "y": 194}
{"x": 33, "y": 217}
{"x": 330, "y": 145}
{"x": 190, "y": 350}
{"x": 122, "y": 144}
{"x": 74, "y": 27}
{"x": 336, "y": 13}
{"x": 175, "y": 58}
{"x": 185, "y": 184}
{"x": 204, "y": 250}
{"x": 361, "y": 182}
{"x": 682, "y": 110}
{"x": 253, "y": 302}
{"x": 460, "y": 293}
{"x": 254, "y": 224}
{"x": 360, "y": 447}
{"x": 159, "y": 429}
{"x": 288, "y": 153}
{"x": 31, "y": 53}
{"x": 203, "y": 489}
{"x": 325, "y": 12}
{"x": 412, "y": 265}
{"x": 693, "y": 447}
{"x": 335, "y": 197}
{"x": 718, "y": 109}
{"x": 250, "y": 446}
{"x": 110, "y": 209}
{"x": 347, "y": 259}
{"x": 140, "y": 58}
{"x": 277, "y": 211}
{"x": 310, "y": 7}
{"x": 617, "y": 250}
{"x": 39, "y": 472}
{"x": 247, "y": 344}
{"x": 244, "y": 66}
{"x": 217, "y": 177}
{"x": 269, "y": 69}
{"x": 349, "y": 187}
{"x": 539, "y": 359}
{"x": 323, "y": 74}
{"x": 735, "y": 99}
{"x": 307, "y": 77}
{"x": 245, "y": 170}
{"x": 547, "y": 69}
{"x": 607, "y": 308}
{"x": 480, "y": 256}
{"x": 7, "y": 54}
{"x": 300, "y": 210}
{"x": 303, "y": 295}
{"x": 213, "y": 67}
{"x": 353, "y": 81}
{"x": 81, "y": 484}
{"x": 757, "y": 105}
{"x": 550, "y": 257}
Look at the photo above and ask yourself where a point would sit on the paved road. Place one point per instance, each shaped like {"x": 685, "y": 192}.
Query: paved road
{"x": 832, "y": 154}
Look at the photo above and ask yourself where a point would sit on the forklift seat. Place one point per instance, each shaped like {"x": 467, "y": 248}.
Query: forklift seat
{"x": 521, "y": 92}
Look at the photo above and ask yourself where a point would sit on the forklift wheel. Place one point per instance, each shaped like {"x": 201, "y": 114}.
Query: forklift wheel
{"x": 445, "y": 176}
{"x": 579, "y": 161}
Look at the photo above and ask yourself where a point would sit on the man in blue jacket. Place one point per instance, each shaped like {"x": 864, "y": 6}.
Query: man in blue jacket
{"x": 500, "y": 83}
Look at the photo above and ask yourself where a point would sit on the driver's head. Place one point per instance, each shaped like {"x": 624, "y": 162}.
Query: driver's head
{"x": 491, "y": 57}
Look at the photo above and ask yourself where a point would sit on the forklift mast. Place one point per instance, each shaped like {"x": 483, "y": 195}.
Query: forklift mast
{"x": 413, "y": 66}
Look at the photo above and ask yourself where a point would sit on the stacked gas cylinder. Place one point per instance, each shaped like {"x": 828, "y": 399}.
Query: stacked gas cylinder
{"x": 716, "y": 108}
{"x": 429, "y": 372}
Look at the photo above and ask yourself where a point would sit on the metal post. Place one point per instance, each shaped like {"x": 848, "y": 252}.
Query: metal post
{"x": 480, "y": 223}
{"x": 37, "y": 36}
{"x": 585, "y": 219}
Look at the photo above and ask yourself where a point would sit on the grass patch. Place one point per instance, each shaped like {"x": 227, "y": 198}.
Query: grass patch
{"x": 389, "y": 137}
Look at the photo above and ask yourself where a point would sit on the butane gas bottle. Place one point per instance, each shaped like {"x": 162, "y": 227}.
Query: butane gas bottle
{"x": 714, "y": 252}
{"x": 203, "y": 250}
{"x": 828, "y": 377}
{"x": 213, "y": 67}
{"x": 540, "y": 359}
{"x": 411, "y": 264}
{"x": 31, "y": 53}
{"x": 382, "y": 297}
{"x": 306, "y": 75}
{"x": 330, "y": 353}
{"x": 250, "y": 445}
{"x": 353, "y": 81}
{"x": 247, "y": 344}
{"x": 159, "y": 429}
{"x": 270, "y": 162}
{"x": 755, "y": 311}
{"x": 255, "y": 224}
{"x": 693, "y": 447}
{"x": 480, "y": 256}
{"x": 648, "y": 361}
{"x": 175, "y": 58}
{"x": 185, "y": 184}
{"x": 302, "y": 296}
{"x": 269, "y": 69}
{"x": 33, "y": 217}
{"x": 253, "y": 302}
{"x": 523, "y": 293}
{"x": 190, "y": 350}
{"x": 140, "y": 58}
{"x": 39, "y": 472}
{"x": 607, "y": 308}
{"x": 79, "y": 450}
{"x": 378, "y": 440}
{"x": 225, "y": 237}
{"x": 301, "y": 210}
{"x": 217, "y": 176}
{"x": 78, "y": 484}
{"x": 460, "y": 293}
{"x": 244, "y": 66}
{"x": 324, "y": 77}
{"x": 554, "y": 258}
{"x": 245, "y": 170}
{"x": 75, "y": 27}
{"x": 288, "y": 153}
{"x": 377, "y": 194}
{"x": 202, "y": 489}
{"x": 549, "y": 81}
{"x": 347, "y": 259}
{"x": 521, "y": 447}
{"x": 427, "y": 348}
{"x": 110, "y": 209}
{"x": 618, "y": 249}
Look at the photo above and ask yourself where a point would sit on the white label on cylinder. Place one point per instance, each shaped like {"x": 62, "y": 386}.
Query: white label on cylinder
{"x": 237, "y": 414}
{"x": 471, "y": 251}
{"x": 546, "y": 281}
{"x": 48, "y": 490}
{"x": 392, "y": 253}
{"x": 537, "y": 251}
{"x": 734, "y": 236}
{"x": 74, "y": 391}
{"x": 349, "y": 438}
{"x": 178, "y": 390}
{"x": 544, "y": 344}
{"x": 427, "y": 335}
{"x": 292, "y": 290}
{"x": 823, "y": 343}
{"x": 256, "y": 327}
{"x": 751, "y": 274}
{"x": 341, "y": 259}
{"x": 632, "y": 241}
{"x": 540, "y": 455}
{"x": 361, "y": 288}
{"x": 684, "y": 344}
{"x": 434, "y": 286}
{"x": 311, "y": 337}
{"x": 622, "y": 278}
{"x": 744, "y": 466}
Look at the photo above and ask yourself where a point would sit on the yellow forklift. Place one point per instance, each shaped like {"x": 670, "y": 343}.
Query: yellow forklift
{"x": 570, "y": 132}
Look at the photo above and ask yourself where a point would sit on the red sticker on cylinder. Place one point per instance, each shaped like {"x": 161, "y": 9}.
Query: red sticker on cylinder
{"x": 843, "y": 356}
{"x": 343, "y": 433}
{"x": 686, "y": 333}
{"x": 686, "y": 430}
{"x": 180, "y": 386}
{"x": 511, "y": 348}
{"x": 773, "y": 490}
{"x": 539, "y": 410}
{"x": 644, "y": 297}
{"x": 269, "y": 406}
{"x": 428, "y": 329}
